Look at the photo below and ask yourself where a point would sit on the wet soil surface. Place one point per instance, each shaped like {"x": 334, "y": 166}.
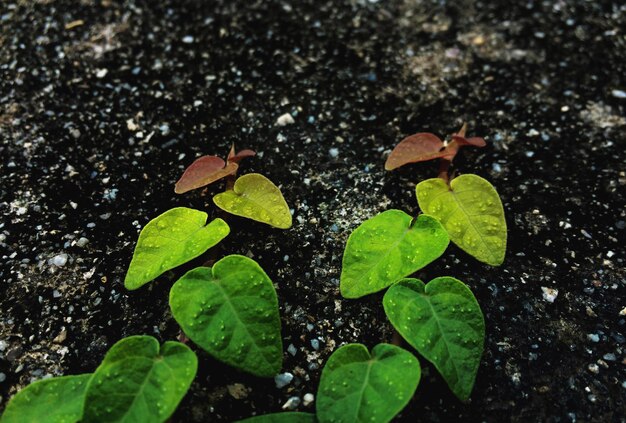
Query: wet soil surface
{"x": 103, "y": 104}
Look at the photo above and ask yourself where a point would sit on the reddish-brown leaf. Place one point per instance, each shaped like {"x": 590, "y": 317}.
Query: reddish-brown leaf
{"x": 203, "y": 171}
{"x": 241, "y": 155}
{"x": 415, "y": 148}
{"x": 474, "y": 141}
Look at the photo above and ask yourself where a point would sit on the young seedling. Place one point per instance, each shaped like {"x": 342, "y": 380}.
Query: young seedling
{"x": 441, "y": 320}
{"x": 468, "y": 207}
{"x": 231, "y": 311}
{"x": 137, "y": 381}
{"x": 252, "y": 196}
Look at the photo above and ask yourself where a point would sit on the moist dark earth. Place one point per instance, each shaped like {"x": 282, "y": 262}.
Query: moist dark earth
{"x": 104, "y": 103}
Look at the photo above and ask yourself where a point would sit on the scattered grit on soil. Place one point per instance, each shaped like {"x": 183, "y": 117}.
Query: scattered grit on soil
{"x": 103, "y": 104}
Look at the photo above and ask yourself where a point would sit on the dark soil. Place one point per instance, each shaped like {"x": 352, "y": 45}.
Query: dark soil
{"x": 98, "y": 119}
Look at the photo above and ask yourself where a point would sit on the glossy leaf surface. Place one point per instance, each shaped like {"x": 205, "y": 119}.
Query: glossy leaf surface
{"x": 288, "y": 417}
{"x": 171, "y": 239}
{"x": 256, "y": 197}
{"x": 204, "y": 171}
{"x": 138, "y": 381}
{"x": 359, "y": 387}
{"x": 55, "y": 400}
{"x": 387, "y": 248}
{"x": 471, "y": 211}
{"x": 444, "y": 323}
{"x": 231, "y": 311}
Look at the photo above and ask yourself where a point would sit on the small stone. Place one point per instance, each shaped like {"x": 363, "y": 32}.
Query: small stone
{"x": 285, "y": 120}
{"x": 623, "y": 312}
{"x": 283, "y": 379}
{"x": 59, "y": 260}
{"x": 101, "y": 73}
{"x": 593, "y": 368}
{"x": 315, "y": 344}
{"x": 3, "y": 377}
{"x": 609, "y": 357}
{"x": 593, "y": 337}
{"x": 292, "y": 403}
{"x": 291, "y": 349}
{"x": 187, "y": 39}
{"x": 237, "y": 390}
{"x": 60, "y": 337}
{"x": 82, "y": 241}
{"x": 308, "y": 399}
{"x": 618, "y": 93}
{"x": 549, "y": 294}
{"x": 333, "y": 152}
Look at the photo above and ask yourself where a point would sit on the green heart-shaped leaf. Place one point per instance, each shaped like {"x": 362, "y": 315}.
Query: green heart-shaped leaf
{"x": 443, "y": 321}
{"x": 357, "y": 387}
{"x": 257, "y": 198}
{"x": 288, "y": 417}
{"x": 139, "y": 382}
{"x": 172, "y": 239}
{"x": 387, "y": 248}
{"x": 471, "y": 211}
{"x": 231, "y": 311}
{"x": 55, "y": 400}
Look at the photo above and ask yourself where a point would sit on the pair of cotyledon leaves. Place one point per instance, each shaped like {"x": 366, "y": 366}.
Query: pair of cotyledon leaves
{"x": 392, "y": 245}
{"x": 229, "y": 310}
{"x": 253, "y": 195}
{"x": 138, "y": 381}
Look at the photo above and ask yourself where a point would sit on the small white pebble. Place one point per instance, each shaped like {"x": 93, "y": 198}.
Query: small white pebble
{"x": 82, "y": 241}
{"x": 292, "y": 403}
{"x": 285, "y": 120}
{"x": 333, "y": 152}
{"x": 308, "y": 399}
{"x": 187, "y": 39}
{"x": 618, "y": 94}
{"x": 549, "y": 294}
{"x": 101, "y": 73}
